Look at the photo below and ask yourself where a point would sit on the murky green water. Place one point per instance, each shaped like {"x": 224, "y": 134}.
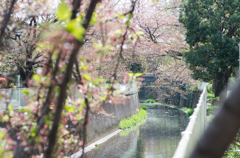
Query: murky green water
{"x": 157, "y": 138}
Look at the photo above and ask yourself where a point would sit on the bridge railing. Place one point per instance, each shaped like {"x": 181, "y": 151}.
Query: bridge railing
{"x": 195, "y": 127}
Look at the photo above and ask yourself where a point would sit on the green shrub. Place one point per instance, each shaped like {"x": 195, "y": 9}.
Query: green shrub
{"x": 213, "y": 100}
{"x": 189, "y": 111}
{"x": 127, "y": 123}
{"x": 126, "y": 132}
{"x": 211, "y": 109}
{"x": 143, "y": 107}
{"x": 209, "y": 88}
{"x": 151, "y": 101}
{"x": 233, "y": 150}
{"x": 210, "y": 95}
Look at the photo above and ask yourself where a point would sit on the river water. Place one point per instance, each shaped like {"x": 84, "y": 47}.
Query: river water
{"x": 158, "y": 137}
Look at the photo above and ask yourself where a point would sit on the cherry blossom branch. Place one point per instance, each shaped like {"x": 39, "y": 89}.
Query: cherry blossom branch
{"x": 85, "y": 124}
{"x": 126, "y": 13}
{"x": 75, "y": 10}
{"x": 175, "y": 57}
{"x": 122, "y": 43}
{"x": 64, "y": 85}
{"x": 6, "y": 20}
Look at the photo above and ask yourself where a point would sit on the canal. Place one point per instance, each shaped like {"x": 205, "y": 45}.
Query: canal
{"x": 158, "y": 137}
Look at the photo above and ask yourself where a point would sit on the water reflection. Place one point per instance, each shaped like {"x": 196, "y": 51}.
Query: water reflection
{"x": 158, "y": 137}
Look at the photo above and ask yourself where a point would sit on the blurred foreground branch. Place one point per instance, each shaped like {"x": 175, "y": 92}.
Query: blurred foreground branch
{"x": 222, "y": 130}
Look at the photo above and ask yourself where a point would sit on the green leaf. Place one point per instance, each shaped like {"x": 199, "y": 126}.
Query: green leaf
{"x": 75, "y": 29}
{"x": 5, "y": 118}
{"x": 103, "y": 98}
{"x": 99, "y": 80}
{"x": 130, "y": 16}
{"x": 89, "y": 96}
{"x": 121, "y": 16}
{"x": 128, "y": 23}
{"x": 93, "y": 19}
{"x": 69, "y": 108}
{"x": 79, "y": 19}
{"x": 2, "y": 134}
{"x": 36, "y": 77}
{"x": 138, "y": 74}
{"x": 25, "y": 91}
{"x": 37, "y": 139}
{"x": 130, "y": 74}
{"x": 10, "y": 107}
{"x": 63, "y": 12}
{"x": 87, "y": 77}
{"x": 139, "y": 32}
{"x": 79, "y": 117}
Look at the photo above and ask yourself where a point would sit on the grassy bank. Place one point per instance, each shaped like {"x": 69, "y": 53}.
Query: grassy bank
{"x": 133, "y": 120}
{"x": 188, "y": 111}
{"x": 126, "y": 132}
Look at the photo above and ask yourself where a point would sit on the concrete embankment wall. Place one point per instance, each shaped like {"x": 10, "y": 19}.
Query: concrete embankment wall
{"x": 102, "y": 125}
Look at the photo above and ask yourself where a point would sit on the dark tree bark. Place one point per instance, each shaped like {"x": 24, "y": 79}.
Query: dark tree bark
{"x": 220, "y": 83}
{"x": 26, "y": 72}
{"x": 29, "y": 72}
{"x": 64, "y": 86}
{"x": 6, "y": 20}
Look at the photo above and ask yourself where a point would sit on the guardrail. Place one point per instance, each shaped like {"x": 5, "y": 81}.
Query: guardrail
{"x": 194, "y": 129}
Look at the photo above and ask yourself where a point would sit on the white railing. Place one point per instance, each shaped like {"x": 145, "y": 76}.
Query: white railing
{"x": 15, "y": 96}
{"x": 194, "y": 129}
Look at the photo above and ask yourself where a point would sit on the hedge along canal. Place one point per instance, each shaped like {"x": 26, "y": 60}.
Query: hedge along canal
{"x": 157, "y": 137}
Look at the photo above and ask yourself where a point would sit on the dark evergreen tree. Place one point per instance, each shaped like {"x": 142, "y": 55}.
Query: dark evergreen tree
{"x": 213, "y": 34}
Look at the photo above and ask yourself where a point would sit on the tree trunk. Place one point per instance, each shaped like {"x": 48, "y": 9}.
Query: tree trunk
{"x": 221, "y": 81}
{"x": 26, "y": 73}
{"x": 218, "y": 84}
{"x": 29, "y": 72}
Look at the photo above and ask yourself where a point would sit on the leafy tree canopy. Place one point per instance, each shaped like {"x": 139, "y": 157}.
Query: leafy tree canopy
{"x": 213, "y": 34}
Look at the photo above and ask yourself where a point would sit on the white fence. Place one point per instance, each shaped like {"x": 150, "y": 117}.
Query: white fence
{"x": 195, "y": 127}
{"x": 13, "y": 96}
{"x": 16, "y": 97}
